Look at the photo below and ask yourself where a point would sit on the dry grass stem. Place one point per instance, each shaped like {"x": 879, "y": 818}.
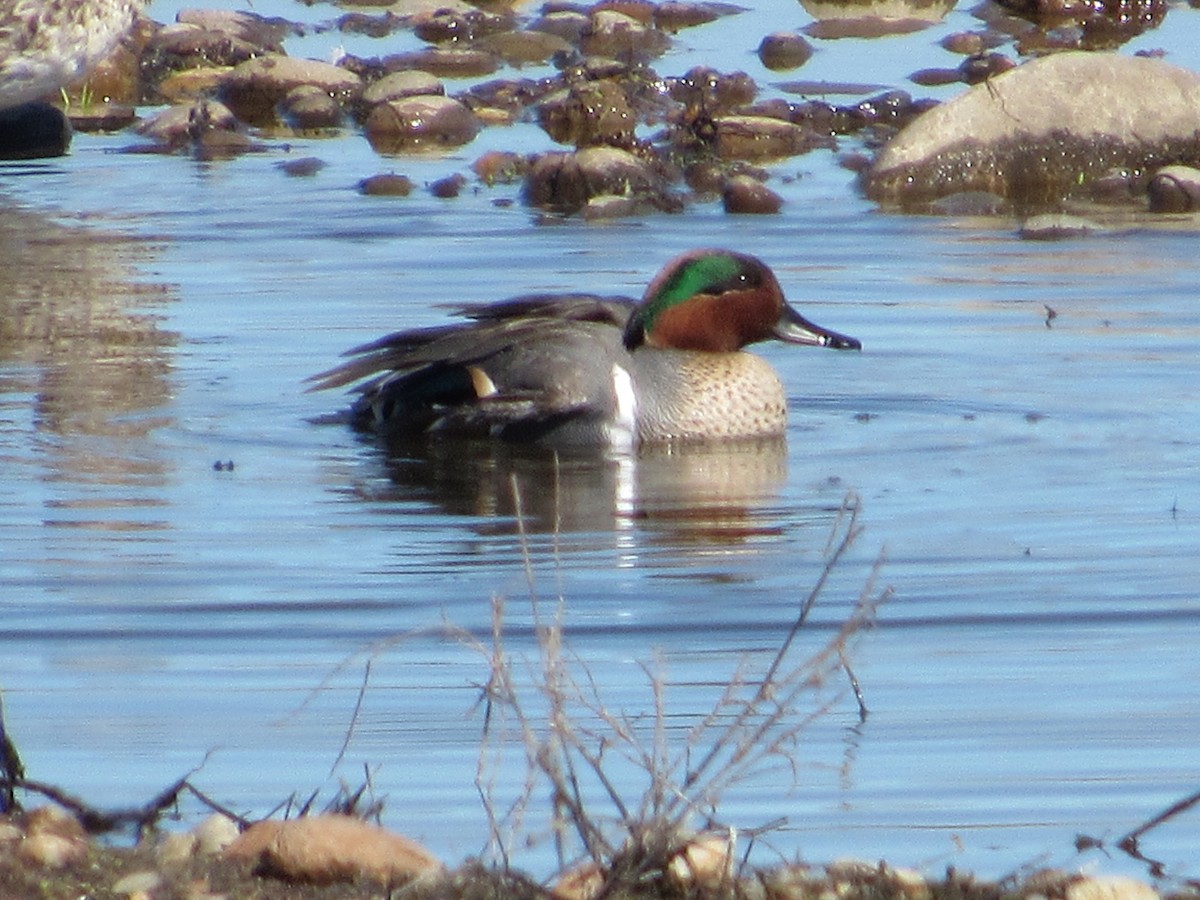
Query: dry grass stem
{"x": 593, "y": 761}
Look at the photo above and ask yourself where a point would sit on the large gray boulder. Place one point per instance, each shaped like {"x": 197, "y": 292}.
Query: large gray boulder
{"x": 1045, "y": 131}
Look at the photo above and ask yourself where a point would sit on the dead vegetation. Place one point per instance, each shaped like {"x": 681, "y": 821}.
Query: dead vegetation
{"x": 633, "y": 801}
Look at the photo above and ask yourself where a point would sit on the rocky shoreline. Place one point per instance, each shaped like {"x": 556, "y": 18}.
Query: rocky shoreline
{"x": 48, "y": 854}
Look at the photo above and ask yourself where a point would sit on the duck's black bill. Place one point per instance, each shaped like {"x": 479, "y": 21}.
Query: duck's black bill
{"x": 795, "y": 329}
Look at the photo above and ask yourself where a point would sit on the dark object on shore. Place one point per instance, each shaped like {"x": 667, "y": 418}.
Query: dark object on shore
{"x": 33, "y": 130}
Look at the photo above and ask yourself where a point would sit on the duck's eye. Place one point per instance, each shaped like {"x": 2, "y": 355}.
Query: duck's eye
{"x": 739, "y": 282}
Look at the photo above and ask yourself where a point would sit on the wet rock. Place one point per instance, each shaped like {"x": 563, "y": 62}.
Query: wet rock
{"x": 386, "y": 185}
{"x": 1174, "y": 189}
{"x": 451, "y": 26}
{"x": 620, "y": 36}
{"x": 444, "y": 62}
{"x": 304, "y": 167}
{"x": 97, "y": 117}
{"x": 372, "y": 26}
{"x": 398, "y": 85}
{"x": 267, "y": 34}
{"x": 710, "y": 91}
{"x": 743, "y": 194}
{"x": 1105, "y": 23}
{"x": 329, "y": 848}
{"x": 511, "y": 95}
{"x": 1056, "y": 227}
{"x": 191, "y": 84}
{"x": 520, "y": 48}
{"x": 500, "y": 167}
{"x": 411, "y": 122}
{"x": 836, "y": 19}
{"x": 207, "y": 129}
{"x": 1043, "y": 131}
{"x": 174, "y": 126}
{"x": 982, "y": 66}
{"x": 587, "y": 114}
{"x": 180, "y": 47}
{"x": 759, "y": 137}
{"x": 569, "y": 25}
{"x": 254, "y": 88}
{"x": 784, "y": 50}
{"x": 965, "y": 43}
{"x": 674, "y": 15}
{"x": 308, "y": 108}
{"x": 935, "y": 77}
{"x": 449, "y": 187}
{"x": 565, "y": 182}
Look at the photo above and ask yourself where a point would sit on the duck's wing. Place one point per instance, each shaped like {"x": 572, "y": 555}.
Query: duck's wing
{"x": 523, "y": 366}
{"x": 489, "y": 327}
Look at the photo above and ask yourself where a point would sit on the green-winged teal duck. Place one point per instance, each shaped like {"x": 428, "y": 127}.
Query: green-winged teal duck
{"x": 579, "y": 369}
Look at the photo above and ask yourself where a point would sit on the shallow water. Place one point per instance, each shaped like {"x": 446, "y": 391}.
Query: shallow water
{"x": 1031, "y": 484}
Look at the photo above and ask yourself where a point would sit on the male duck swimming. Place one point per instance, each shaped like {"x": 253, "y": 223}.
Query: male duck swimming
{"x": 578, "y": 369}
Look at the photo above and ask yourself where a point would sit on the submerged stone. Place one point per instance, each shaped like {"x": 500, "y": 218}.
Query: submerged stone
{"x": 1044, "y": 131}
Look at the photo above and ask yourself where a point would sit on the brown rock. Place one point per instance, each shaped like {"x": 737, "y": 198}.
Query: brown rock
{"x": 743, "y": 194}
{"x": 411, "y": 122}
{"x": 264, "y": 33}
{"x": 386, "y": 184}
{"x": 673, "y": 15}
{"x": 594, "y": 112}
{"x": 500, "y": 167}
{"x": 759, "y": 137}
{"x": 253, "y": 88}
{"x": 53, "y": 839}
{"x": 784, "y": 50}
{"x": 307, "y": 107}
{"x": 1044, "y": 130}
{"x": 1174, "y": 189}
{"x": 331, "y": 848}
{"x": 191, "y": 84}
{"x": 620, "y": 36}
{"x": 519, "y": 48}
{"x": 445, "y": 62}
{"x": 398, "y": 85}
{"x": 567, "y": 181}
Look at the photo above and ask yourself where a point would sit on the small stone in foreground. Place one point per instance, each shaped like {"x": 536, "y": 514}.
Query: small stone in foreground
{"x": 330, "y": 848}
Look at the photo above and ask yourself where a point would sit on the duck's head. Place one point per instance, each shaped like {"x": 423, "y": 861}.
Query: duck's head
{"x": 720, "y": 301}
